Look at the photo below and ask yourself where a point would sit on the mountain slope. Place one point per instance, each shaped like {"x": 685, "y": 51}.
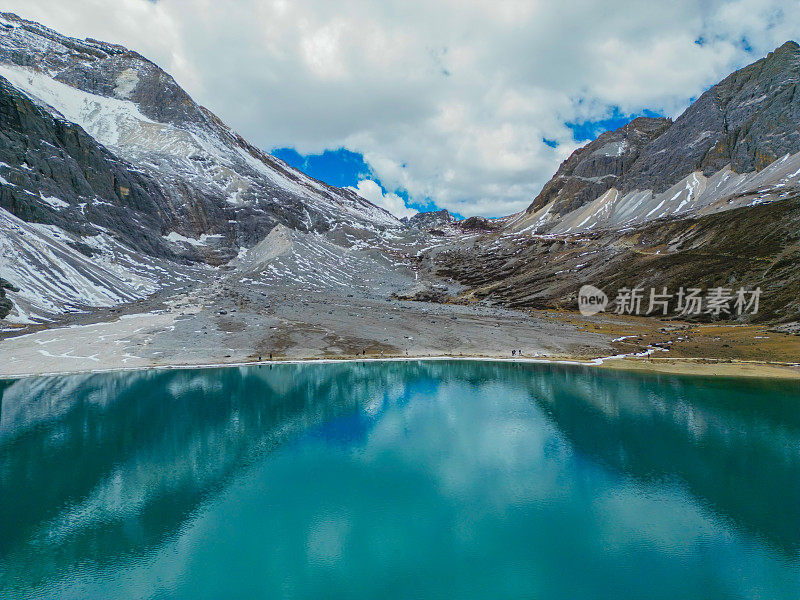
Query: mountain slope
{"x": 738, "y": 144}
{"x": 115, "y": 185}
{"x": 707, "y": 201}
{"x": 747, "y": 247}
{"x": 211, "y": 175}
{"x": 98, "y": 143}
{"x": 56, "y": 174}
{"x": 598, "y": 166}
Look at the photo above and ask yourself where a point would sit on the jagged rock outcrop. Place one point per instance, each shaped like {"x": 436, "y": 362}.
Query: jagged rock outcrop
{"x": 747, "y": 121}
{"x": 477, "y": 224}
{"x": 5, "y": 304}
{"x": 437, "y": 219}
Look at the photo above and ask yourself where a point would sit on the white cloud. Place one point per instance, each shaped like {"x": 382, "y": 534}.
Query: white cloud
{"x": 449, "y": 99}
{"x": 371, "y": 191}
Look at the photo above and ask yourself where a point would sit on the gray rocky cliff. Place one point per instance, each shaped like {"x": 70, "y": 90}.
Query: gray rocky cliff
{"x": 5, "y": 304}
{"x": 56, "y": 174}
{"x": 599, "y": 165}
{"x": 748, "y": 120}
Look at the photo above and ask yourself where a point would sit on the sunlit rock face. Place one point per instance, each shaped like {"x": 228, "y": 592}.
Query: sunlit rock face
{"x": 598, "y": 166}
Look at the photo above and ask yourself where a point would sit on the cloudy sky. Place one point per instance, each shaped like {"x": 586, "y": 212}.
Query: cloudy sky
{"x": 468, "y": 105}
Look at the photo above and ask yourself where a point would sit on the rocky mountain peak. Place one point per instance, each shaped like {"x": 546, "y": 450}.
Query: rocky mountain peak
{"x": 788, "y": 47}
{"x": 213, "y": 182}
{"x": 745, "y": 122}
{"x": 430, "y": 220}
{"x": 596, "y": 167}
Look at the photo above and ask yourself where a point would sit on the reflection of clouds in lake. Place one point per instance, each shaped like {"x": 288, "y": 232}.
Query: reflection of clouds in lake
{"x": 338, "y": 463}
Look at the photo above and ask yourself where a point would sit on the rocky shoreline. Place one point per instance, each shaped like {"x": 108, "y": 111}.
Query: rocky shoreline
{"x": 206, "y": 328}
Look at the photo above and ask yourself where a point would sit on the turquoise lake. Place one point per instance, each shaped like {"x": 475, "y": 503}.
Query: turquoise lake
{"x": 439, "y": 479}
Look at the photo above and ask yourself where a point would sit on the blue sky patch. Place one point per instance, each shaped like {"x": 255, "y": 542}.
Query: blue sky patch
{"x": 586, "y": 131}
{"x": 340, "y": 167}
{"x": 343, "y": 168}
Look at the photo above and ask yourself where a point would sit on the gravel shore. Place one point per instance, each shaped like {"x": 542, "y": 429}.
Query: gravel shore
{"x": 219, "y": 325}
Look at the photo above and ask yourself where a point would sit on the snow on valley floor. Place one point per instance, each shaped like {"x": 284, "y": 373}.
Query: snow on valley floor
{"x": 97, "y": 347}
{"x": 54, "y": 277}
{"x": 215, "y": 326}
{"x": 295, "y": 296}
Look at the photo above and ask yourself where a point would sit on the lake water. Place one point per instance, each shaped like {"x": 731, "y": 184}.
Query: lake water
{"x": 399, "y": 480}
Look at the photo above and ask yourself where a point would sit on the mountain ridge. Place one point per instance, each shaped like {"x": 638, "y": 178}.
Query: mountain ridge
{"x": 116, "y": 187}
{"x": 738, "y": 143}
{"x": 171, "y": 128}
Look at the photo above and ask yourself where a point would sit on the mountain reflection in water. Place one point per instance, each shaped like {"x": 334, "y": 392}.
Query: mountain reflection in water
{"x": 99, "y": 469}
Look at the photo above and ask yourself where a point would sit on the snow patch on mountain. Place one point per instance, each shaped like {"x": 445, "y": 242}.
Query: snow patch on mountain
{"x": 210, "y": 157}
{"x": 694, "y": 195}
{"x": 177, "y": 238}
{"x": 53, "y": 202}
{"x": 54, "y": 277}
{"x": 105, "y": 119}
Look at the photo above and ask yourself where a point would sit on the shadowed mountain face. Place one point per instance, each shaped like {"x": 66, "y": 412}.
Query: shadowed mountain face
{"x": 5, "y": 303}
{"x": 748, "y": 120}
{"x": 80, "y": 186}
{"x": 112, "y": 179}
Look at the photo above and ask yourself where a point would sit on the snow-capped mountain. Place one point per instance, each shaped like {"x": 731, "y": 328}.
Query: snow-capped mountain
{"x": 115, "y": 184}
{"x": 103, "y": 153}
